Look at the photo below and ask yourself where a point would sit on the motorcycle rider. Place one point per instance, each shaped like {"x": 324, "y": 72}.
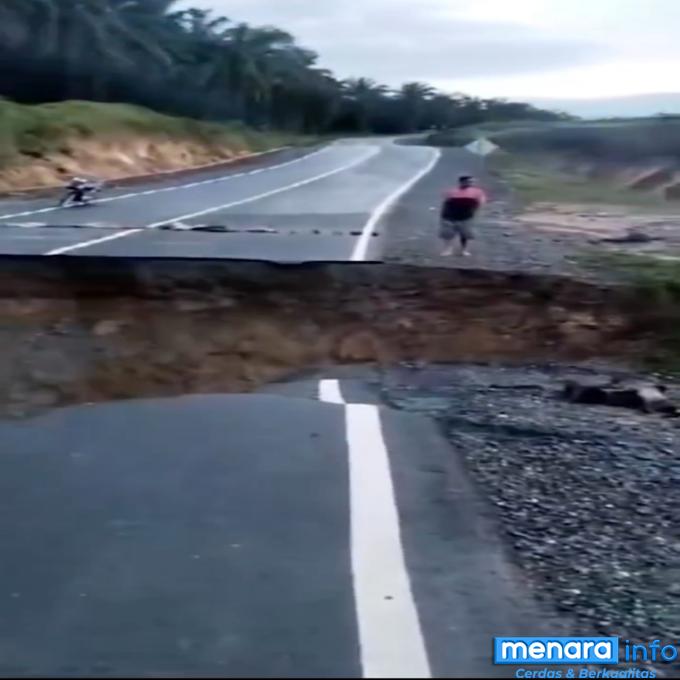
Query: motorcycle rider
{"x": 79, "y": 187}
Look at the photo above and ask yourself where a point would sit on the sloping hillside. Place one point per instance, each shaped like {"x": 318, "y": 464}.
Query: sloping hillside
{"x": 42, "y": 145}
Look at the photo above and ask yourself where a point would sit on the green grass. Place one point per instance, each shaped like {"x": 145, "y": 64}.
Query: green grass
{"x": 468, "y": 133}
{"x": 658, "y": 278}
{"x": 43, "y": 129}
{"x": 622, "y": 140}
{"x": 655, "y": 284}
{"x": 553, "y": 161}
{"x": 537, "y": 178}
{"x": 616, "y": 142}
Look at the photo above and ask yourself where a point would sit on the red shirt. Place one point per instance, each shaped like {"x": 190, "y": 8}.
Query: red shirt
{"x": 475, "y": 193}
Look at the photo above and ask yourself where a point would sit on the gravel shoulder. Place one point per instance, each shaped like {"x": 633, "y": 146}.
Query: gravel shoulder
{"x": 502, "y": 243}
{"x": 544, "y": 239}
{"x": 585, "y": 496}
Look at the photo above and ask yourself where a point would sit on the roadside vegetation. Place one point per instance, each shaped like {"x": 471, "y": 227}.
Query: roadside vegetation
{"x": 195, "y": 64}
{"x": 610, "y": 140}
{"x": 626, "y": 161}
{"x": 655, "y": 283}
{"x": 541, "y": 178}
{"x": 41, "y": 130}
{"x": 43, "y": 144}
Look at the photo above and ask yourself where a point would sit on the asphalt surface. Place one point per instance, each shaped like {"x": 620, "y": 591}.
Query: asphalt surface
{"x": 298, "y": 205}
{"x": 305, "y": 531}
{"x": 246, "y": 536}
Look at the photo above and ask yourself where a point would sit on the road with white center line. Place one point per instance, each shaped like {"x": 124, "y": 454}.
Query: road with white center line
{"x": 294, "y": 532}
{"x": 318, "y": 205}
{"x": 303, "y": 531}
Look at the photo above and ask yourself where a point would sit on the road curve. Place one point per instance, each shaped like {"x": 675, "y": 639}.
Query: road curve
{"x": 322, "y": 204}
{"x": 285, "y": 534}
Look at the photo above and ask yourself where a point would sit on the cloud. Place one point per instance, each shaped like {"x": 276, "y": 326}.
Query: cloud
{"x": 399, "y": 40}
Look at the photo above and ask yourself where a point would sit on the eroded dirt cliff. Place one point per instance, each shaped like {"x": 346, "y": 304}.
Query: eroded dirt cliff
{"x": 83, "y": 330}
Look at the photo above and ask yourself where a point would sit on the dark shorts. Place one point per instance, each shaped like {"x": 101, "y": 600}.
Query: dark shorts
{"x": 449, "y": 229}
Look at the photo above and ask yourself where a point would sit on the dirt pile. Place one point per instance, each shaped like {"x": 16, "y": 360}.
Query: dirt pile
{"x": 112, "y": 158}
{"x": 42, "y": 144}
{"x": 83, "y": 330}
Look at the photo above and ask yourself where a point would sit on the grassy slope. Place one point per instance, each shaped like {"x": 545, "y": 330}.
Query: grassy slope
{"x": 530, "y": 150}
{"x": 656, "y": 284}
{"x": 535, "y": 178}
{"x": 37, "y": 131}
{"x": 616, "y": 140}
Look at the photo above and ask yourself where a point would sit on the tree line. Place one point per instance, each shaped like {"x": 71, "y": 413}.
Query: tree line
{"x": 193, "y": 63}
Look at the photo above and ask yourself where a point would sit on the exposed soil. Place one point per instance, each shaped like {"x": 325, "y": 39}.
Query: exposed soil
{"x": 79, "y": 330}
{"x": 111, "y": 159}
{"x": 584, "y": 495}
{"x": 605, "y": 228}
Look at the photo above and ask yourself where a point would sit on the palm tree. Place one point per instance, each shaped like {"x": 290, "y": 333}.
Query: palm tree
{"x": 192, "y": 62}
{"x": 262, "y": 61}
{"x": 22, "y": 21}
{"x": 439, "y": 111}
{"x": 365, "y": 95}
{"x": 81, "y": 32}
{"x": 413, "y": 97}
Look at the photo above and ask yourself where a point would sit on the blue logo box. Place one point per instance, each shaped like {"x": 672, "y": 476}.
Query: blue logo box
{"x": 555, "y": 650}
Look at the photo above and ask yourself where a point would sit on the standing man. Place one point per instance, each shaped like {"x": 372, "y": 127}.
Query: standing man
{"x": 458, "y": 211}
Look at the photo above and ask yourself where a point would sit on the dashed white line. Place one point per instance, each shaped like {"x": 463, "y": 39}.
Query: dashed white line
{"x": 28, "y": 212}
{"x": 329, "y": 391}
{"x": 361, "y": 247}
{"x": 180, "y": 218}
{"x": 390, "y": 636}
{"x": 92, "y": 242}
{"x": 176, "y": 187}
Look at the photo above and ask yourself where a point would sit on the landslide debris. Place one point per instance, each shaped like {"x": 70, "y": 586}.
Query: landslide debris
{"x": 88, "y": 329}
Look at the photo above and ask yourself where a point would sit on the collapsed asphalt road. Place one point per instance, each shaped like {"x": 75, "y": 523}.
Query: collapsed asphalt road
{"x": 319, "y": 204}
{"x": 284, "y": 535}
{"x": 300, "y": 530}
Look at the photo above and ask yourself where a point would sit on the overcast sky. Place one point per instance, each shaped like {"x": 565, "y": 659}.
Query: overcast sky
{"x": 506, "y": 48}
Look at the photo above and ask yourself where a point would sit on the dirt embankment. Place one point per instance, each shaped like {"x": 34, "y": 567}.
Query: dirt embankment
{"x": 87, "y": 330}
{"x": 112, "y": 158}
{"x": 42, "y": 145}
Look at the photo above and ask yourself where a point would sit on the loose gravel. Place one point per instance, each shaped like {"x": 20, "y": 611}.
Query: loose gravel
{"x": 501, "y": 242}
{"x": 586, "y": 496}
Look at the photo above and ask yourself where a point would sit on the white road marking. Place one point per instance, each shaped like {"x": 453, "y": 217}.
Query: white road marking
{"x": 175, "y": 187}
{"x": 29, "y": 212}
{"x": 390, "y": 635}
{"x": 329, "y": 390}
{"x": 361, "y": 247}
{"x": 181, "y": 218}
{"x": 189, "y": 216}
{"x": 92, "y": 242}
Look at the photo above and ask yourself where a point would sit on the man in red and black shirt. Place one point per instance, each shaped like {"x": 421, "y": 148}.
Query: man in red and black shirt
{"x": 459, "y": 208}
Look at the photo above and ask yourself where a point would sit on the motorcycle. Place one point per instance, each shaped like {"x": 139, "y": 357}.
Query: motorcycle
{"x": 79, "y": 192}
